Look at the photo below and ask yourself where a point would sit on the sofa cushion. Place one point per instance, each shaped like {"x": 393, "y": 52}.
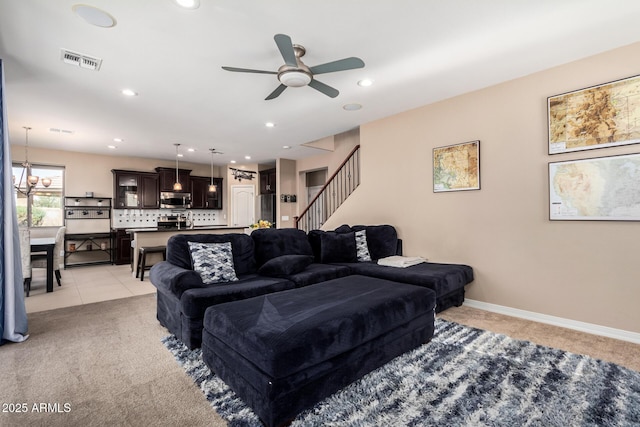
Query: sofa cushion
{"x": 337, "y": 247}
{"x": 241, "y": 246}
{"x": 344, "y": 228}
{"x": 285, "y": 265}
{"x": 274, "y": 242}
{"x": 443, "y": 279}
{"x": 213, "y": 262}
{"x": 316, "y": 273}
{"x": 382, "y": 240}
{"x": 195, "y": 301}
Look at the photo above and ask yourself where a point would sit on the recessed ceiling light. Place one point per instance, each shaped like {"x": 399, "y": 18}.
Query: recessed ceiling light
{"x": 352, "y": 107}
{"x": 188, "y": 4}
{"x": 118, "y": 139}
{"x": 94, "y": 16}
{"x": 191, "y": 150}
{"x": 247, "y": 157}
{"x": 286, "y": 147}
{"x": 112, "y": 147}
{"x": 270, "y": 125}
{"x": 365, "y": 82}
{"x": 232, "y": 161}
{"x": 129, "y": 92}
{"x": 180, "y": 155}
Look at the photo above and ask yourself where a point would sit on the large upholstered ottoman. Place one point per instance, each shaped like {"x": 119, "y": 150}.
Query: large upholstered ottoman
{"x": 283, "y": 352}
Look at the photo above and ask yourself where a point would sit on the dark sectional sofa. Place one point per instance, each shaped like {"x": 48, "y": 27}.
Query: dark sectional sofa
{"x": 273, "y": 260}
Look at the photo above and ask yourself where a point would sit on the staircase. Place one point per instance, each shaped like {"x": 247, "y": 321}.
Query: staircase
{"x": 334, "y": 192}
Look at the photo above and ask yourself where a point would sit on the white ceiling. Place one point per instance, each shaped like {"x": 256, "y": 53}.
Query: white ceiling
{"x": 416, "y": 51}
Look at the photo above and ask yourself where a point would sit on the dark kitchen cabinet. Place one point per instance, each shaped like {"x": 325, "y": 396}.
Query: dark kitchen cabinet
{"x": 167, "y": 177}
{"x": 150, "y": 191}
{"x": 123, "y": 253}
{"x": 268, "y": 181}
{"x": 138, "y": 190}
{"x": 125, "y": 191}
{"x": 201, "y": 197}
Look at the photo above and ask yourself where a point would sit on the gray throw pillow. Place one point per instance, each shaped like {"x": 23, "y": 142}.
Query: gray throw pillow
{"x": 213, "y": 261}
{"x": 362, "y": 250}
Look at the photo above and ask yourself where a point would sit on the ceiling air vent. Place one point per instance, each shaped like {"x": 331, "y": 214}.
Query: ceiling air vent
{"x": 80, "y": 60}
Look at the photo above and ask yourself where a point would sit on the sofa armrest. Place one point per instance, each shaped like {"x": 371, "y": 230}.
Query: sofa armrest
{"x": 170, "y": 278}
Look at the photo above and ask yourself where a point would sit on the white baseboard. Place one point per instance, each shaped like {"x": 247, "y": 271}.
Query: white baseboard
{"x": 590, "y": 328}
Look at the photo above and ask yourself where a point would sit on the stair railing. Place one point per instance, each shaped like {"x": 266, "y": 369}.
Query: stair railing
{"x": 332, "y": 194}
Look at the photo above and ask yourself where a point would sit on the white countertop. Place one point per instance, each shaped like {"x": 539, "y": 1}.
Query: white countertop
{"x": 196, "y": 228}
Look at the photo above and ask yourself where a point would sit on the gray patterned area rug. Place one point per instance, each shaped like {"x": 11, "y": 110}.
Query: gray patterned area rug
{"x": 463, "y": 377}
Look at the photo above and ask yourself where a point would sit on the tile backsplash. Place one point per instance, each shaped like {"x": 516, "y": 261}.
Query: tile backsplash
{"x": 141, "y": 218}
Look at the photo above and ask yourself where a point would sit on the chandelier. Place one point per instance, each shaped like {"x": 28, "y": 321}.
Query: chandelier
{"x": 32, "y": 180}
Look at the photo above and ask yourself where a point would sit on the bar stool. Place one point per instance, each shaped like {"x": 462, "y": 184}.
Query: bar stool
{"x": 142, "y": 258}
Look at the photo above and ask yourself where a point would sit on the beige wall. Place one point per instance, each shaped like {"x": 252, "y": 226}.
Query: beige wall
{"x": 586, "y": 271}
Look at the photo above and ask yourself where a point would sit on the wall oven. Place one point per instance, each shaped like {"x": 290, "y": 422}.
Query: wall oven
{"x": 170, "y": 200}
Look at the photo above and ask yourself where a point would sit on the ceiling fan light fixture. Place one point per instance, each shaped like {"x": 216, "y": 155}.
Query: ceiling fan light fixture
{"x": 294, "y": 78}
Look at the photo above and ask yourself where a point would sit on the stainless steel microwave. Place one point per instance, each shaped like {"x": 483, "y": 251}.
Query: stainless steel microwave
{"x": 169, "y": 200}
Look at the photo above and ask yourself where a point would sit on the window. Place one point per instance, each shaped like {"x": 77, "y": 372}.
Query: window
{"x": 43, "y": 206}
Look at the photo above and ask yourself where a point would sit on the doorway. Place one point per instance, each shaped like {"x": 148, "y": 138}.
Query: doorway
{"x": 243, "y": 205}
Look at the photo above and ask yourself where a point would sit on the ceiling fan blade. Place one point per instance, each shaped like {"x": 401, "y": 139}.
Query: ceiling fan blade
{"x": 339, "y": 65}
{"x": 321, "y": 87}
{"x": 285, "y": 46}
{"x": 248, "y": 70}
{"x": 276, "y": 93}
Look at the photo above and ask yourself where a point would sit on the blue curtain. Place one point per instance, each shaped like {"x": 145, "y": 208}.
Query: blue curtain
{"x": 13, "y": 314}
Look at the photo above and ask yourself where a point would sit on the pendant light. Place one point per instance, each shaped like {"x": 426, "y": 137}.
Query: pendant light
{"x": 177, "y": 186}
{"x": 212, "y": 187}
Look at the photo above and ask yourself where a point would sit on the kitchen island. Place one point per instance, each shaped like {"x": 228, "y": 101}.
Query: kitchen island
{"x": 152, "y": 236}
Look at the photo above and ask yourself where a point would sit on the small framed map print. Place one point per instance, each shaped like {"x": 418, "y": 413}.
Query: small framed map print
{"x": 600, "y": 116}
{"x": 603, "y": 188}
{"x": 456, "y": 167}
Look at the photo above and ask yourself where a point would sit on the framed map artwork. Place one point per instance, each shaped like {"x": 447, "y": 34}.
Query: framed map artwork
{"x": 603, "y": 188}
{"x": 456, "y": 167}
{"x": 600, "y": 116}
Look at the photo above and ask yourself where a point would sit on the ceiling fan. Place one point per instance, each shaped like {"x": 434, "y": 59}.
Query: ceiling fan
{"x": 294, "y": 73}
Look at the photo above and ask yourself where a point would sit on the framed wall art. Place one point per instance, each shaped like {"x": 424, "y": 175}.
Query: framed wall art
{"x": 456, "y": 167}
{"x": 602, "y": 188}
{"x": 600, "y": 116}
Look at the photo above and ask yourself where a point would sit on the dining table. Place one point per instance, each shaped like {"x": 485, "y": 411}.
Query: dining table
{"x": 45, "y": 244}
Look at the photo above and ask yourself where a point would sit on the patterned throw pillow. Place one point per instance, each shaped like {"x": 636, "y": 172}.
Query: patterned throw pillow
{"x": 213, "y": 261}
{"x": 362, "y": 250}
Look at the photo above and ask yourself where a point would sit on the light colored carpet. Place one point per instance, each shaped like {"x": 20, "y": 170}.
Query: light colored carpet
{"x": 107, "y": 362}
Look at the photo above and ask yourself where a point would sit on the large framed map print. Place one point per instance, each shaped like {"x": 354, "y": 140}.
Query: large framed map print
{"x": 600, "y": 116}
{"x": 456, "y": 167}
{"x": 603, "y": 188}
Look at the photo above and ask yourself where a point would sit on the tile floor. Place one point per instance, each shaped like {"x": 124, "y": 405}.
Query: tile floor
{"x": 84, "y": 285}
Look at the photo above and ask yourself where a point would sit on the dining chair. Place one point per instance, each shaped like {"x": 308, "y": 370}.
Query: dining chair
{"x": 40, "y": 260}
{"x": 25, "y": 255}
